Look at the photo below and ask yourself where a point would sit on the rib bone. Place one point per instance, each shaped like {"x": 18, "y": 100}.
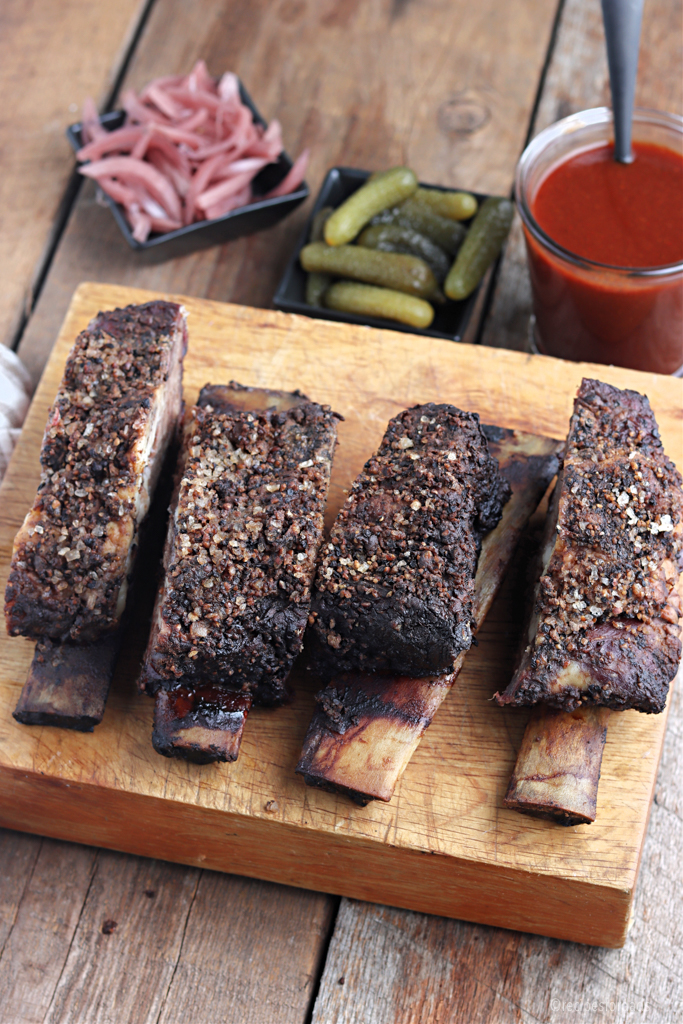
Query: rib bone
{"x": 104, "y": 445}
{"x": 367, "y": 727}
{"x": 558, "y": 766}
{"x": 241, "y": 548}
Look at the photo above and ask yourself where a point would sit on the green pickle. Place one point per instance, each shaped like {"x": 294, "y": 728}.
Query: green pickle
{"x": 454, "y": 205}
{"x": 484, "y": 241}
{"x": 317, "y": 233}
{"x": 414, "y": 214}
{"x": 394, "y": 270}
{"x": 387, "y": 189}
{"x": 317, "y": 284}
{"x": 396, "y": 238}
{"x": 367, "y": 300}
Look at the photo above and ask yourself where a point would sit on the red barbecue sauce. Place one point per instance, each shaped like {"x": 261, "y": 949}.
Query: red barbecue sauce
{"x": 624, "y": 215}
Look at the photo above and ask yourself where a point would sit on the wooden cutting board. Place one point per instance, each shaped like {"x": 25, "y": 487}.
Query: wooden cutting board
{"x": 444, "y": 845}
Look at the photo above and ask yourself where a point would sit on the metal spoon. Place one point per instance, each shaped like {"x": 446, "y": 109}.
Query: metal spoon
{"x": 622, "y": 32}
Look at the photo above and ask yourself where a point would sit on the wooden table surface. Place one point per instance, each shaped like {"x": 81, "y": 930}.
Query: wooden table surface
{"x": 453, "y": 89}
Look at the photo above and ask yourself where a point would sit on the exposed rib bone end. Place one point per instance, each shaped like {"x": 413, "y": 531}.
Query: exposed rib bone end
{"x": 365, "y": 731}
{"x": 68, "y": 685}
{"x": 558, "y": 767}
{"x": 202, "y": 724}
{"x": 367, "y": 727}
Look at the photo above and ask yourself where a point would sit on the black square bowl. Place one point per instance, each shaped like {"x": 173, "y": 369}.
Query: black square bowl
{"x": 261, "y": 214}
{"x": 450, "y": 319}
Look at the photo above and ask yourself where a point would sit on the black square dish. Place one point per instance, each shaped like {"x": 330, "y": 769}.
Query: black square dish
{"x": 450, "y": 320}
{"x": 244, "y": 221}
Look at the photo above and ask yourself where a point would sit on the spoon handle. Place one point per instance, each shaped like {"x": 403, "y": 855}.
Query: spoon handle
{"x": 622, "y": 33}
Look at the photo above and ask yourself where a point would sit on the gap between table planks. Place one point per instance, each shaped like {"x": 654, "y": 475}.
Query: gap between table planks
{"x": 490, "y": 865}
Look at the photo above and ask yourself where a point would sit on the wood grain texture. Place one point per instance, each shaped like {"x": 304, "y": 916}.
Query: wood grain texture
{"x": 18, "y": 854}
{"x": 493, "y": 864}
{"x": 52, "y": 55}
{"x": 37, "y": 945}
{"x": 124, "y": 950}
{"x": 446, "y": 89}
{"x": 250, "y": 953}
{"x": 577, "y": 79}
{"x": 150, "y": 942}
{"x": 398, "y": 966}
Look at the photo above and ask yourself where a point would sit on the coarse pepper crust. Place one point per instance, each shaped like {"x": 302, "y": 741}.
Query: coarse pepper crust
{"x": 105, "y": 440}
{"x": 604, "y": 629}
{"x": 395, "y": 583}
{"x": 242, "y": 544}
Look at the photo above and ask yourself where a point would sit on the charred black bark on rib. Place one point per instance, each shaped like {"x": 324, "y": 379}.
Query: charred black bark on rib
{"x": 394, "y": 586}
{"x": 106, "y": 440}
{"x": 605, "y": 626}
{"x": 104, "y": 443}
{"x": 367, "y": 726}
{"x": 242, "y": 542}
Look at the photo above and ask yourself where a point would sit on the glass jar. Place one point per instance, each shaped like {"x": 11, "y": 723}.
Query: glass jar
{"x": 592, "y": 311}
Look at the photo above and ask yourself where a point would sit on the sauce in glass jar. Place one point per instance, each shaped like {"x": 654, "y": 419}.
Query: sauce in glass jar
{"x": 605, "y": 248}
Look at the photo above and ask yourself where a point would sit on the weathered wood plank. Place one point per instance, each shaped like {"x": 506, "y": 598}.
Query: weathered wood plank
{"x": 18, "y": 855}
{"x": 391, "y": 965}
{"x": 578, "y": 79}
{"x": 364, "y": 85}
{"x": 52, "y": 55}
{"x": 46, "y": 918}
{"x": 127, "y": 943}
{"x": 251, "y": 953}
{"x": 144, "y": 941}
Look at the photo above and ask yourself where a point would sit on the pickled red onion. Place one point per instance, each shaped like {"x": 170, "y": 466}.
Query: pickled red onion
{"x": 188, "y": 151}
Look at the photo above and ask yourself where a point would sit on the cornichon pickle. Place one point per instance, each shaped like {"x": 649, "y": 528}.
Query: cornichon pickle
{"x": 447, "y": 234}
{"x": 317, "y": 233}
{"x": 367, "y": 300}
{"x": 386, "y": 189}
{"x": 396, "y": 238}
{"x": 389, "y": 269}
{"x": 489, "y": 230}
{"x": 454, "y": 205}
{"x": 317, "y": 284}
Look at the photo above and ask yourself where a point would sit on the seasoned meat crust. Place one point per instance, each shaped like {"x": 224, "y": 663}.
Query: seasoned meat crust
{"x": 242, "y": 542}
{"x": 605, "y": 624}
{"x": 105, "y": 440}
{"x": 394, "y": 587}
